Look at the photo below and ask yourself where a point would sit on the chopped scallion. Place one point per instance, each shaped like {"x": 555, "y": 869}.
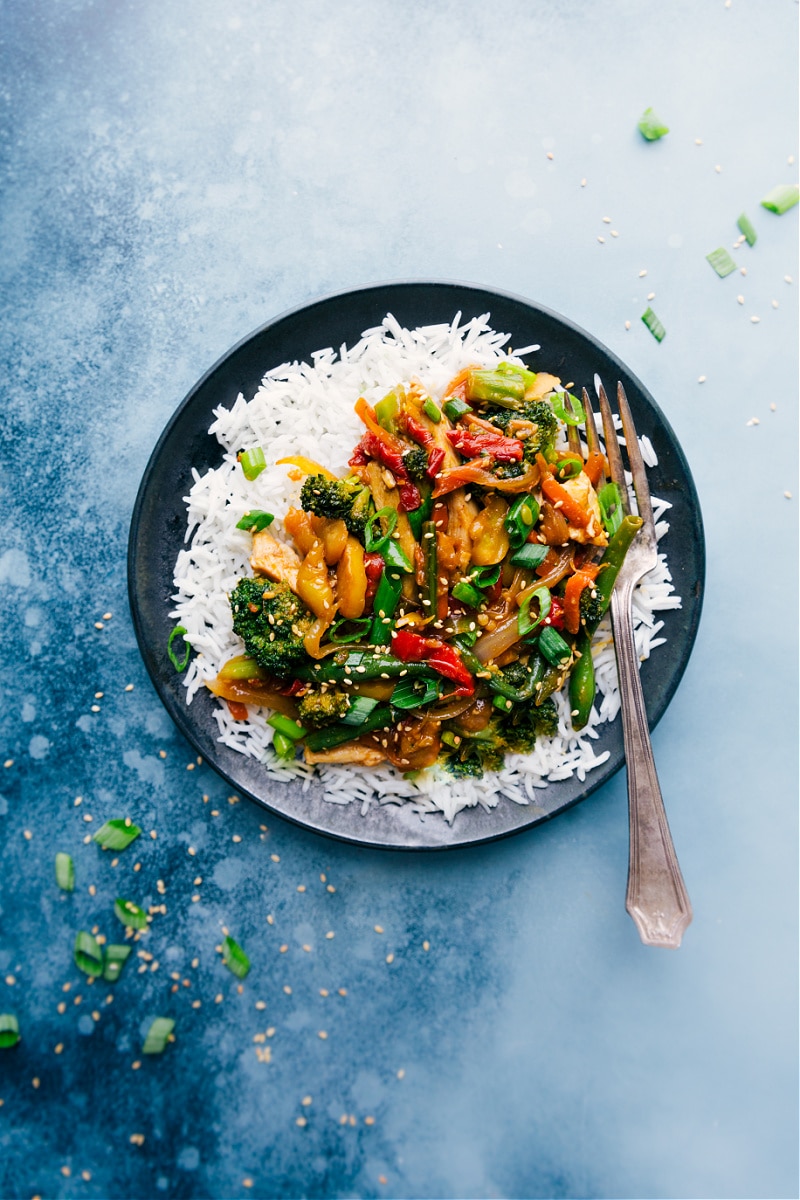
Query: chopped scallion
{"x": 253, "y": 462}
{"x": 530, "y": 556}
{"x": 553, "y": 646}
{"x": 255, "y": 520}
{"x": 386, "y": 411}
{"x": 349, "y": 629}
{"x": 374, "y": 542}
{"x": 432, "y": 410}
{"x": 746, "y": 227}
{"x": 574, "y": 415}
{"x": 484, "y": 577}
{"x": 503, "y": 703}
{"x": 525, "y": 622}
{"x": 465, "y": 593}
{"x": 283, "y": 746}
{"x": 158, "y": 1035}
{"x": 455, "y": 408}
{"x": 359, "y": 710}
{"x": 721, "y": 261}
{"x": 65, "y": 872}
{"x": 781, "y": 198}
{"x": 651, "y": 127}
{"x": 287, "y": 726}
{"x": 178, "y": 664}
{"x": 116, "y": 834}
{"x": 611, "y": 508}
{"x": 9, "y": 1031}
{"x": 115, "y": 958}
{"x": 130, "y": 914}
{"x": 234, "y": 958}
{"x": 654, "y": 325}
{"x": 88, "y": 954}
{"x": 396, "y": 558}
{"x": 568, "y": 467}
{"x": 520, "y": 519}
{"x": 413, "y": 693}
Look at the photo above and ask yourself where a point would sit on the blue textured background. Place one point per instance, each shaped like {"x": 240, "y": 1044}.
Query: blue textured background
{"x": 173, "y": 176}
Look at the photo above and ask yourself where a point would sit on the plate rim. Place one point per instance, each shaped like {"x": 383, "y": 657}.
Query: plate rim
{"x": 180, "y": 715}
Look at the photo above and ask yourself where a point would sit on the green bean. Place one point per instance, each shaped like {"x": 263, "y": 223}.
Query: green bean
{"x": 360, "y": 665}
{"x": 336, "y": 735}
{"x": 581, "y": 682}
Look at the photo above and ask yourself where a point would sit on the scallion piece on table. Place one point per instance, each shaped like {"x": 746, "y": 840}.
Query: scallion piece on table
{"x": 721, "y": 261}
{"x": 158, "y": 1035}
{"x": 283, "y": 746}
{"x": 178, "y": 663}
{"x": 520, "y": 519}
{"x": 117, "y": 834}
{"x": 413, "y": 693}
{"x": 574, "y": 415}
{"x": 9, "y": 1031}
{"x": 375, "y": 542}
{"x": 553, "y": 646}
{"x": 287, "y": 726}
{"x": 525, "y": 622}
{"x": 234, "y": 958}
{"x": 253, "y": 462}
{"x": 745, "y": 226}
{"x": 455, "y": 408}
{"x": 465, "y": 593}
{"x": 530, "y": 556}
{"x": 651, "y": 127}
{"x": 115, "y": 958}
{"x": 88, "y": 954}
{"x": 255, "y": 520}
{"x": 432, "y": 410}
{"x": 359, "y": 710}
{"x": 65, "y": 872}
{"x": 654, "y": 325}
{"x": 781, "y": 198}
{"x": 611, "y": 510}
{"x": 130, "y": 914}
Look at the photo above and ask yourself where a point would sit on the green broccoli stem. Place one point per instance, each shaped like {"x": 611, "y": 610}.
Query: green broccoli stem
{"x": 360, "y": 666}
{"x": 336, "y": 735}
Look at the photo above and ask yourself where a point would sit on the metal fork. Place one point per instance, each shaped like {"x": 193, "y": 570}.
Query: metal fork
{"x": 656, "y": 899}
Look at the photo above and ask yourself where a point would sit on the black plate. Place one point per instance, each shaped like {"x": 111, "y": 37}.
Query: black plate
{"x": 159, "y": 522}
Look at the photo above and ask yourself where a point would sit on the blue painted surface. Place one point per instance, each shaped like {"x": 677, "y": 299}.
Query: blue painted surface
{"x": 174, "y": 176}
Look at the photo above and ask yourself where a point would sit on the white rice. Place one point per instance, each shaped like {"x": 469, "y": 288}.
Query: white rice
{"x": 307, "y": 408}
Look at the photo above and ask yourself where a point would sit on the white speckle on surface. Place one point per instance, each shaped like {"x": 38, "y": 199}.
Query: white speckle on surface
{"x": 85, "y": 1024}
{"x": 15, "y": 568}
{"x": 39, "y": 746}
{"x": 189, "y": 1158}
{"x": 28, "y": 710}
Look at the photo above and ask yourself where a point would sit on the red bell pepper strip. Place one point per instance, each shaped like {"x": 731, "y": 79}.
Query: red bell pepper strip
{"x": 388, "y": 456}
{"x": 472, "y": 444}
{"x": 423, "y": 437}
{"x": 412, "y": 647}
{"x": 556, "y": 615}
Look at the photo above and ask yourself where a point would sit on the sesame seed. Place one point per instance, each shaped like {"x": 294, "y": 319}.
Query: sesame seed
{"x": 701, "y": 379}
{"x": 601, "y": 239}
{"x": 788, "y": 495}
{"x": 627, "y": 324}
{"x": 642, "y": 274}
{"x": 755, "y": 320}
{"x": 322, "y": 1034}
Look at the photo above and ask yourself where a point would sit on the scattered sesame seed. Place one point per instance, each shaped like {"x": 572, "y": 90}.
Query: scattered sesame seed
{"x": 283, "y": 948}
{"x": 787, "y": 279}
{"x": 330, "y": 888}
{"x": 342, "y": 991}
{"x": 550, "y": 155}
{"x": 329, "y": 934}
{"x": 601, "y": 239}
{"x": 718, "y": 169}
{"x": 426, "y": 946}
{"x": 642, "y": 274}
{"x": 754, "y": 421}
{"x": 137, "y": 1139}
{"x": 236, "y": 838}
{"x": 627, "y": 324}
{"x": 773, "y": 407}
{"x": 8, "y": 763}
{"x": 247, "y": 1182}
{"x": 59, "y": 1048}
{"x": 788, "y": 495}
{"x": 755, "y": 320}
{"x": 701, "y": 378}
{"x": 742, "y": 270}
{"x": 401, "y": 1073}
{"x": 390, "y": 959}
{"x": 583, "y": 183}
{"x": 740, "y": 299}
{"x": 35, "y": 1081}
{"x": 11, "y": 980}
{"x": 369, "y": 1120}
{"x": 128, "y": 687}
{"x": 275, "y": 857}
{"x": 322, "y": 1034}
{"x": 307, "y": 948}
{"x": 218, "y": 998}
{"x": 378, "y": 929}
{"x": 698, "y": 141}
{"x": 774, "y": 303}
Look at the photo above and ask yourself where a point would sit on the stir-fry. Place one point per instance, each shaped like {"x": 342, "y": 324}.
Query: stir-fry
{"x": 431, "y": 602}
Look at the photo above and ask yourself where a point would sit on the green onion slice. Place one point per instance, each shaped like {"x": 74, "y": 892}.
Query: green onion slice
{"x": 115, "y": 958}
{"x": 234, "y": 958}
{"x": 9, "y": 1031}
{"x": 359, "y": 710}
{"x": 456, "y": 408}
{"x": 568, "y": 467}
{"x": 748, "y": 229}
{"x": 395, "y": 557}
{"x": 386, "y": 411}
{"x": 287, "y": 726}
{"x": 520, "y": 519}
{"x": 721, "y": 261}
{"x": 553, "y": 646}
{"x": 484, "y": 577}
{"x": 117, "y": 834}
{"x": 530, "y": 556}
{"x": 255, "y": 520}
{"x": 525, "y": 622}
{"x": 781, "y": 198}
{"x": 503, "y": 703}
{"x": 65, "y": 872}
{"x": 283, "y": 746}
{"x": 465, "y": 593}
{"x": 653, "y": 324}
{"x": 651, "y": 127}
{"x": 349, "y": 629}
{"x": 413, "y": 693}
{"x": 158, "y": 1035}
{"x": 432, "y": 410}
{"x": 178, "y": 664}
{"x": 576, "y": 416}
{"x": 253, "y": 462}
{"x": 611, "y": 507}
{"x": 88, "y": 954}
{"x": 130, "y": 914}
{"x": 373, "y": 543}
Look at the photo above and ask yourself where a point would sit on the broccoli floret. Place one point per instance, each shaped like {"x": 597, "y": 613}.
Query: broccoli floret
{"x": 591, "y": 607}
{"x": 416, "y": 463}
{"x": 356, "y": 519}
{"x": 322, "y": 708}
{"x": 540, "y": 414}
{"x": 525, "y": 722}
{"x": 475, "y": 755}
{"x": 272, "y": 622}
{"x": 516, "y": 673}
{"x": 330, "y": 497}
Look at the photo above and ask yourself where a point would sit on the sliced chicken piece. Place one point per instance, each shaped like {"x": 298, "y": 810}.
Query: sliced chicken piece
{"x": 274, "y": 559}
{"x": 364, "y": 756}
{"x": 581, "y": 490}
{"x": 462, "y": 515}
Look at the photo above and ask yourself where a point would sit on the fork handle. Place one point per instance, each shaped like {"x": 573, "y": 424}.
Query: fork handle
{"x": 657, "y": 899}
